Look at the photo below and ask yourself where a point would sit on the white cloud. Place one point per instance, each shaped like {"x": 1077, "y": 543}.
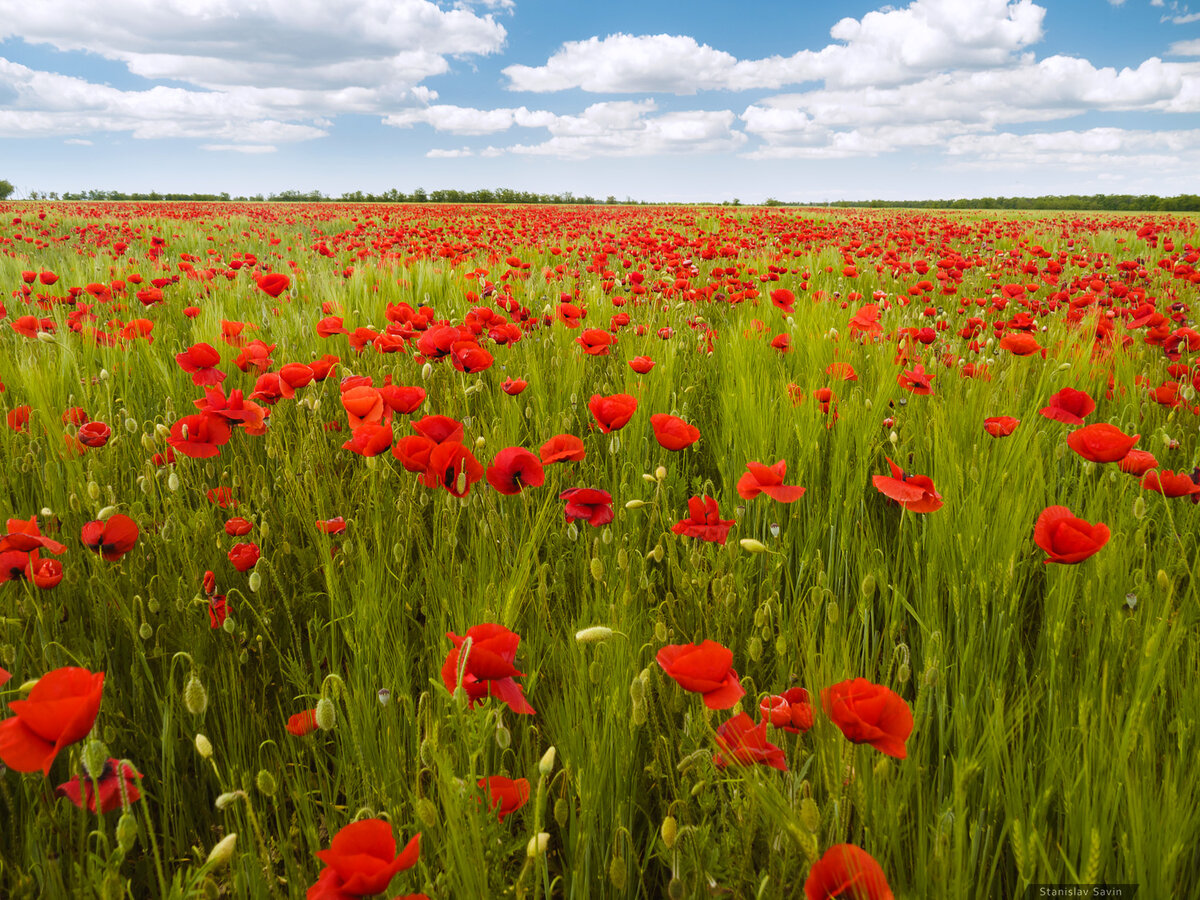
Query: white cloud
{"x": 1185, "y": 19}
{"x": 460, "y": 153}
{"x": 1184, "y": 48}
{"x": 240, "y": 148}
{"x": 256, "y": 71}
{"x": 612, "y": 128}
{"x": 885, "y": 46}
{"x": 79, "y": 142}
{"x": 1113, "y": 150}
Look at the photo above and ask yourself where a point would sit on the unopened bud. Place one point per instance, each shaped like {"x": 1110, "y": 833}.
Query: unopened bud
{"x": 670, "y": 831}
{"x": 635, "y": 504}
{"x": 95, "y": 757}
{"x": 868, "y": 587}
{"x": 265, "y": 782}
{"x": 195, "y": 697}
{"x": 503, "y": 737}
{"x": 593, "y": 634}
{"x": 750, "y": 545}
{"x": 810, "y": 816}
{"x": 427, "y": 812}
{"x": 326, "y": 715}
{"x": 225, "y": 800}
{"x": 546, "y": 764}
{"x": 597, "y": 568}
{"x": 127, "y": 831}
{"x": 254, "y": 581}
{"x": 537, "y": 845}
{"x": 660, "y": 473}
{"x": 204, "y": 746}
{"x": 222, "y": 852}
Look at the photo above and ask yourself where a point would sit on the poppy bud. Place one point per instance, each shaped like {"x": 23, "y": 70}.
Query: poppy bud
{"x": 755, "y": 648}
{"x": 868, "y": 586}
{"x": 623, "y": 558}
{"x": 426, "y": 371}
{"x": 658, "y": 552}
{"x": 902, "y": 674}
{"x": 597, "y": 568}
{"x": 546, "y": 764}
{"x": 326, "y": 715}
{"x": 810, "y": 816}
{"x": 660, "y": 473}
{"x": 385, "y": 696}
{"x": 635, "y": 504}
{"x": 561, "y": 811}
{"x": 195, "y": 697}
{"x": 750, "y": 545}
{"x": 204, "y": 746}
{"x": 93, "y": 490}
{"x": 616, "y": 873}
{"x": 503, "y": 737}
{"x": 593, "y": 635}
{"x": 225, "y": 800}
{"x": 427, "y": 812}
{"x": 646, "y": 477}
{"x": 131, "y": 426}
{"x": 265, "y": 782}
{"x": 831, "y": 611}
{"x": 675, "y": 888}
{"x": 1139, "y": 508}
{"x": 222, "y": 852}
{"x": 127, "y": 831}
{"x": 94, "y": 758}
{"x": 145, "y": 632}
{"x": 255, "y": 581}
{"x": 660, "y": 631}
{"x": 537, "y": 845}
{"x": 637, "y": 690}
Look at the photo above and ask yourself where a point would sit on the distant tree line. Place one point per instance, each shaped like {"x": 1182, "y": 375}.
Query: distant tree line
{"x": 420, "y": 195}
{"x": 1096, "y": 202}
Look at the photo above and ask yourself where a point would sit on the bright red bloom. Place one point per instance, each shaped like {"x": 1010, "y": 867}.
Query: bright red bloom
{"x": 413, "y": 452}
{"x": 562, "y": 448}
{"x": 335, "y": 525}
{"x": 454, "y": 467}
{"x": 784, "y": 299}
{"x": 1138, "y": 462}
{"x": 641, "y": 364}
{"x": 760, "y": 479}
{"x": 613, "y": 412}
{"x": 439, "y": 429}
{"x": 402, "y": 399}
{"x": 513, "y": 469}
{"x": 592, "y": 505}
{"x": 4, "y": 677}
{"x": 1020, "y": 343}
{"x": 914, "y": 492}
{"x": 706, "y": 669}
{"x": 363, "y": 405}
{"x": 218, "y": 610}
{"x": 849, "y": 873}
{"x": 237, "y": 526}
{"x": 112, "y": 538}
{"x": 489, "y": 669}
{"x": 513, "y": 386}
{"x": 672, "y": 432}
{"x": 704, "y": 521}
{"x": 743, "y": 743}
{"x": 595, "y": 342}
{"x": 244, "y": 556}
{"x": 869, "y": 713}
{"x": 93, "y": 434}
{"x": 792, "y": 710}
{"x": 199, "y": 436}
{"x": 44, "y": 573}
{"x": 273, "y": 283}
{"x": 841, "y": 370}
{"x": 362, "y": 861}
{"x": 201, "y": 360}
{"x": 369, "y": 440}
{"x": 18, "y": 418}
{"x": 1069, "y": 406}
{"x": 1000, "y": 426}
{"x": 916, "y": 380}
{"x": 506, "y": 795}
{"x": 1067, "y": 539}
{"x": 222, "y": 496}
{"x": 1102, "y": 443}
{"x": 302, "y": 723}
{"x": 60, "y": 710}
{"x": 1169, "y": 484}
{"x": 109, "y": 785}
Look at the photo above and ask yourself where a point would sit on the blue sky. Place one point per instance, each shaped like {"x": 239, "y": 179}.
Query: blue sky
{"x": 687, "y": 101}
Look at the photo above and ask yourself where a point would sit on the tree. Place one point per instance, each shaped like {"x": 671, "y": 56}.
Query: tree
{"x": 6, "y": 188}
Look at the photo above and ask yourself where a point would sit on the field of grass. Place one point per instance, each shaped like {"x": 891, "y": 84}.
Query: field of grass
{"x": 1054, "y": 705}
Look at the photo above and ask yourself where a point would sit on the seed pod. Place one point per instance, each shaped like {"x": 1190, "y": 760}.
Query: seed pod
{"x": 265, "y": 782}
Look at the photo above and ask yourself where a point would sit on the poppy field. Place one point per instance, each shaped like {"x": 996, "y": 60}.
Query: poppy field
{"x": 473, "y": 551}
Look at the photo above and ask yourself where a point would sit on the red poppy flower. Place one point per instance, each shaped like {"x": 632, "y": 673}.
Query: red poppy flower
{"x": 562, "y": 448}
{"x": 1169, "y": 484}
{"x": 454, "y": 467}
{"x": 201, "y": 360}
{"x": 439, "y": 429}
{"x": 24, "y": 536}
{"x": 75, "y": 415}
{"x": 613, "y": 412}
{"x": 704, "y": 521}
{"x": 513, "y": 386}
{"x": 369, "y": 440}
{"x": 362, "y": 860}
{"x": 1069, "y": 406}
{"x": 322, "y": 368}
{"x": 916, "y": 380}
{"x": 760, "y": 479}
{"x": 706, "y": 669}
{"x": 792, "y": 710}
{"x": 744, "y": 744}
{"x": 218, "y": 610}
{"x": 302, "y": 723}
{"x": 489, "y": 669}
{"x": 1102, "y": 443}
{"x": 846, "y": 871}
{"x": 199, "y": 436}
{"x": 784, "y": 299}
{"x": 513, "y": 469}
{"x": 672, "y": 432}
{"x": 18, "y": 419}
{"x": 255, "y": 355}
{"x": 1000, "y": 426}
{"x": 782, "y": 343}
{"x": 237, "y": 526}
{"x": 273, "y": 284}
{"x": 108, "y": 788}
{"x": 505, "y": 795}
{"x": 841, "y": 370}
{"x": 244, "y": 556}
{"x": 413, "y": 452}
{"x": 59, "y": 711}
{"x": 112, "y": 538}
{"x": 914, "y": 492}
{"x": 93, "y": 434}
{"x": 1020, "y": 343}
{"x": 1137, "y": 462}
{"x": 402, "y": 399}
{"x": 222, "y": 496}
{"x": 1065, "y": 538}
{"x": 595, "y": 342}
{"x": 4, "y": 677}
{"x": 335, "y": 525}
{"x": 363, "y": 405}
{"x": 296, "y": 375}
{"x": 641, "y": 364}
{"x": 44, "y": 573}
{"x": 592, "y": 505}
{"x": 869, "y": 713}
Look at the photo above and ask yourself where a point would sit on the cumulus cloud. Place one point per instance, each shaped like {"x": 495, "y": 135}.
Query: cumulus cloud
{"x": 1185, "y": 48}
{"x": 612, "y": 128}
{"x": 244, "y": 67}
{"x": 883, "y": 47}
{"x": 1094, "y": 149}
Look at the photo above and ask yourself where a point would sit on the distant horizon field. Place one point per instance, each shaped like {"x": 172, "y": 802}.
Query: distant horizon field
{"x": 614, "y": 550}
